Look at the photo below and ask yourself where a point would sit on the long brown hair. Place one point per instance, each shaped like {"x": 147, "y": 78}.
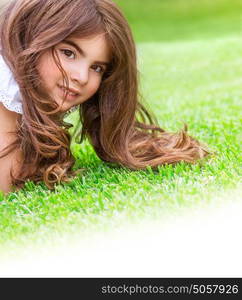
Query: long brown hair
{"x": 114, "y": 120}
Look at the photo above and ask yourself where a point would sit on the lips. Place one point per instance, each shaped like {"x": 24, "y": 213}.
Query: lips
{"x": 70, "y": 91}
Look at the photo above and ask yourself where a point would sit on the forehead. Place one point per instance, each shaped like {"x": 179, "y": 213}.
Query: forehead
{"x": 93, "y": 47}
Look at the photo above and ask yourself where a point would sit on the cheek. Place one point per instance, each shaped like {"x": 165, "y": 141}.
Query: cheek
{"x": 47, "y": 70}
{"x": 94, "y": 86}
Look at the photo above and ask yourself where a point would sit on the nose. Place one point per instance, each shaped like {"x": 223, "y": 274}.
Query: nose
{"x": 80, "y": 75}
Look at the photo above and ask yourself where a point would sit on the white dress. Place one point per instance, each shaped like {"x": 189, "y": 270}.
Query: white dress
{"x": 9, "y": 90}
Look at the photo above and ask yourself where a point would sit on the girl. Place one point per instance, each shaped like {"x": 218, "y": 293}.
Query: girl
{"x": 64, "y": 54}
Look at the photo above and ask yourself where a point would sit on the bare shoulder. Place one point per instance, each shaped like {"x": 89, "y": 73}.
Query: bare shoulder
{"x": 8, "y": 119}
{"x": 8, "y": 163}
{"x": 3, "y": 110}
{"x": 8, "y": 126}
{"x": 12, "y": 160}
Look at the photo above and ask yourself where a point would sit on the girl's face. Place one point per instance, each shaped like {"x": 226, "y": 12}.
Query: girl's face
{"x": 84, "y": 61}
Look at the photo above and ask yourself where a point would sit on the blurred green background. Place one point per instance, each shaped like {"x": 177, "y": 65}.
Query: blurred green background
{"x": 167, "y": 20}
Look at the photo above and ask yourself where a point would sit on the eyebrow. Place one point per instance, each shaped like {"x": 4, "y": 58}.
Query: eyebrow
{"x": 73, "y": 44}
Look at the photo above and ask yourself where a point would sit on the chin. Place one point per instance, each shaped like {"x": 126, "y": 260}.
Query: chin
{"x": 65, "y": 107}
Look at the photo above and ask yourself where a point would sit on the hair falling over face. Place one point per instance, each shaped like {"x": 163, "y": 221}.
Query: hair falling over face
{"x": 115, "y": 122}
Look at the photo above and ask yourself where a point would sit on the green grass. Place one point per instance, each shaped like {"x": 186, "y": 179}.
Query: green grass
{"x": 197, "y": 80}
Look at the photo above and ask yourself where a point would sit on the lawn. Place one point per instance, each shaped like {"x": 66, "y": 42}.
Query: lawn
{"x": 190, "y": 62}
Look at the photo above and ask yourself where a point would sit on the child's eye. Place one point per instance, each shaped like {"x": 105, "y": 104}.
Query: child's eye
{"x": 98, "y": 69}
{"x": 67, "y": 52}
